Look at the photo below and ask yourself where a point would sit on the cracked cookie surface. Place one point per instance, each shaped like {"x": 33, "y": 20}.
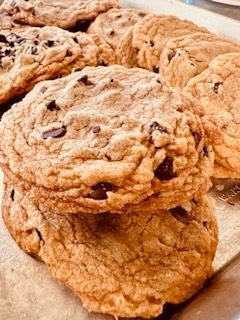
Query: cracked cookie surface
{"x": 106, "y": 137}
{"x": 37, "y": 54}
{"x": 151, "y": 34}
{"x": 185, "y": 57}
{"x": 124, "y": 265}
{"x": 218, "y": 90}
{"x": 64, "y": 14}
{"x": 113, "y": 24}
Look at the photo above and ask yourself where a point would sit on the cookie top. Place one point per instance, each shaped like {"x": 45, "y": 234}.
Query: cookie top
{"x": 124, "y": 265}
{"x": 64, "y": 14}
{"x": 106, "y": 137}
{"x": 36, "y": 54}
{"x": 218, "y": 90}
{"x": 191, "y": 54}
{"x": 151, "y": 34}
{"x": 113, "y": 24}
{"x": 7, "y": 23}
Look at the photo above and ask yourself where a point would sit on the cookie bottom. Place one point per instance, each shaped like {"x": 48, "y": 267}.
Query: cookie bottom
{"x": 125, "y": 265}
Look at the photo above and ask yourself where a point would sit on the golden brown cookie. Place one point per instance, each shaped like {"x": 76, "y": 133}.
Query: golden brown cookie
{"x": 124, "y": 265}
{"x": 103, "y": 138}
{"x": 218, "y": 90}
{"x": 185, "y": 57}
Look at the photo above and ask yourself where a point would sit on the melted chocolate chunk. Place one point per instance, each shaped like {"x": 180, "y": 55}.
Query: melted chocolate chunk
{"x": 75, "y": 39}
{"x": 34, "y": 51}
{"x": 55, "y": 133}
{"x": 156, "y": 126}
{"x": 171, "y": 55}
{"x": 151, "y": 43}
{"x": 51, "y": 106}
{"x": 96, "y": 129}
{"x": 12, "y": 194}
{"x": 50, "y": 43}
{"x": 3, "y": 38}
{"x": 112, "y": 32}
{"x": 156, "y": 69}
{"x": 180, "y": 214}
{"x": 39, "y": 235}
{"x": 165, "y": 170}
{"x": 205, "y": 151}
{"x": 102, "y": 63}
{"x": 69, "y": 53}
{"x": 119, "y": 16}
{"x": 216, "y": 85}
{"x": 100, "y": 191}
{"x": 84, "y": 79}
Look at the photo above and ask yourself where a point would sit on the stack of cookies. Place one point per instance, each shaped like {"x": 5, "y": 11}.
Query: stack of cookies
{"x": 109, "y": 155}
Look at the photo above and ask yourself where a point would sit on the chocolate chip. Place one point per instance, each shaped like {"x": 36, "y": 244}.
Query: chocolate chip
{"x": 84, "y": 79}
{"x": 119, "y": 16}
{"x": 112, "y": 32}
{"x": 75, "y": 39}
{"x": 165, "y": 170}
{"x": 151, "y": 43}
{"x": 50, "y": 43}
{"x": 12, "y": 194}
{"x": 36, "y": 42}
{"x": 156, "y": 126}
{"x": 34, "y": 50}
{"x": 55, "y": 133}
{"x": 171, "y": 55}
{"x": 52, "y": 106}
{"x": 180, "y": 214}
{"x": 3, "y": 38}
{"x": 156, "y": 69}
{"x": 96, "y": 129}
{"x": 100, "y": 191}
{"x": 205, "y": 151}
{"x": 43, "y": 89}
{"x": 197, "y": 138}
{"x": 11, "y": 44}
{"x": 39, "y": 234}
{"x": 69, "y": 53}
{"x": 216, "y": 85}
{"x": 102, "y": 63}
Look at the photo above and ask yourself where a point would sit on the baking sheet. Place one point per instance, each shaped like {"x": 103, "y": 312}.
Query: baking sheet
{"x": 27, "y": 290}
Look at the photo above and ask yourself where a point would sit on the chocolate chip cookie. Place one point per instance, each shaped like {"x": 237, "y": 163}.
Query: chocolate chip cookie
{"x": 113, "y": 24}
{"x": 36, "y": 54}
{"x": 124, "y": 265}
{"x": 151, "y": 34}
{"x": 218, "y": 89}
{"x": 185, "y": 57}
{"x": 105, "y": 137}
{"x": 65, "y": 14}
